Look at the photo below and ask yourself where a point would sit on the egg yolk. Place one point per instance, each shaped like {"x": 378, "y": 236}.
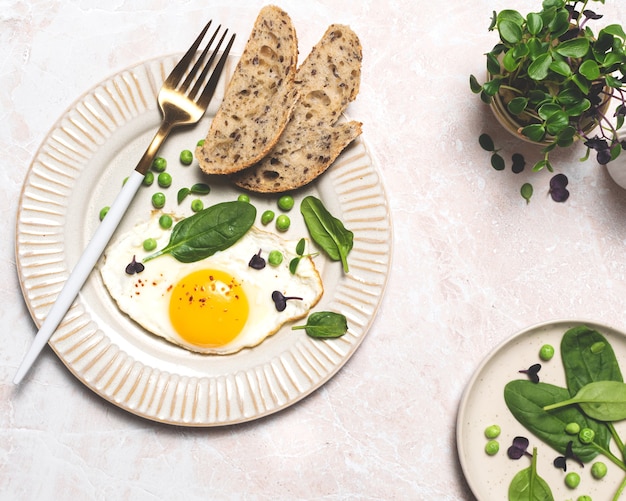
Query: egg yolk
{"x": 208, "y": 308}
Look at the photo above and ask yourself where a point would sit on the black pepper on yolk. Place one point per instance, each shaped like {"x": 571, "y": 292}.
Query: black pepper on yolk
{"x": 208, "y": 308}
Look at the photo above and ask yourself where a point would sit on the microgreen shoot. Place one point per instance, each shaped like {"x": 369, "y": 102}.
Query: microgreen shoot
{"x": 558, "y": 77}
{"x": 532, "y": 372}
{"x": 280, "y": 300}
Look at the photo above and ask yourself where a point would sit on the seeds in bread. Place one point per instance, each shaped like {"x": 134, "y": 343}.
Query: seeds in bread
{"x": 258, "y": 100}
{"x": 327, "y": 81}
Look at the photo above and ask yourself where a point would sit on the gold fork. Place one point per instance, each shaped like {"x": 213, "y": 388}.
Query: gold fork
{"x": 180, "y": 104}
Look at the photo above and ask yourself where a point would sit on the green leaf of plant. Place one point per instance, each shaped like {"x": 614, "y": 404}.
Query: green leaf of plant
{"x": 527, "y": 485}
{"x": 526, "y": 401}
{"x": 576, "y": 47}
{"x": 510, "y": 31}
{"x": 326, "y": 230}
{"x": 493, "y": 65}
{"x": 616, "y": 30}
{"x": 581, "y": 83}
{"x": 486, "y": 143}
{"x": 536, "y": 48}
{"x": 587, "y": 356}
{"x": 497, "y": 162}
{"x": 566, "y": 136}
{"x": 540, "y": 165}
{"x": 517, "y": 105}
{"x": 510, "y": 15}
{"x": 534, "y": 132}
{"x": 538, "y": 69}
{"x": 527, "y": 192}
{"x": 556, "y": 122}
{"x": 561, "y": 67}
{"x": 293, "y": 264}
{"x": 300, "y": 247}
{"x": 613, "y": 82}
{"x": 182, "y": 194}
{"x": 589, "y": 69}
{"x": 569, "y": 96}
{"x": 578, "y": 108}
{"x": 474, "y": 85}
{"x": 200, "y": 189}
{"x": 206, "y": 232}
{"x": 491, "y": 87}
{"x": 547, "y": 110}
{"x": 534, "y": 22}
{"x": 325, "y": 325}
{"x": 601, "y": 400}
{"x": 510, "y": 62}
{"x": 560, "y": 24}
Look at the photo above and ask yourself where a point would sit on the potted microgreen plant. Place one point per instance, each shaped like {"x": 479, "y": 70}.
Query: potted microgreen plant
{"x": 555, "y": 81}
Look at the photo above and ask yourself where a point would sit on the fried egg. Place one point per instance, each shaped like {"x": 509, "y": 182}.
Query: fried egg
{"x": 218, "y": 305}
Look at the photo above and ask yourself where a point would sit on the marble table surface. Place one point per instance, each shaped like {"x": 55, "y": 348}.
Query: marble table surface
{"x": 473, "y": 263}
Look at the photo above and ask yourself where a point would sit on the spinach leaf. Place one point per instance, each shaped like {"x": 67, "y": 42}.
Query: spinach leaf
{"x": 601, "y": 400}
{"x": 326, "y": 230}
{"x": 587, "y": 356}
{"x": 206, "y": 232}
{"x": 325, "y": 324}
{"x": 527, "y": 485}
{"x": 526, "y": 401}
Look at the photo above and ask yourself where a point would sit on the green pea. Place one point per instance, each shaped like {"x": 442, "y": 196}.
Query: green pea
{"x": 572, "y": 428}
{"x": 275, "y": 257}
{"x": 267, "y": 217}
{"x": 586, "y": 435}
{"x": 164, "y": 180}
{"x": 197, "y": 205}
{"x": 572, "y": 480}
{"x": 103, "y": 212}
{"x": 200, "y": 142}
{"x": 286, "y": 202}
{"x": 583, "y": 498}
{"x": 492, "y": 431}
{"x": 165, "y": 221}
{"x": 148, "y": 179}
{"x": 598, "y": 470}
{"x": 492, "y": 447}
{"x": 597, "y": 347}
{"x": 186, "y": 157}
{"x": 158, "y": 200}
{"x": 283, "y": 222}
{"x": 149, "y": 244}
{"x": 159, "y": 164}
{"x": 243, "y": 198}
{"x": 546, "y": 352}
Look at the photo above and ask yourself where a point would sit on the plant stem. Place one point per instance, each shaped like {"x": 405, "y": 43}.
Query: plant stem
{"x": 609, "y": 455}
{"x": 618, "y": 440}
{"x": 622, "y": 486}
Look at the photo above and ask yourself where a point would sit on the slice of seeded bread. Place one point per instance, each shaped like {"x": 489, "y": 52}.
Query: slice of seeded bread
{"x": 327, "y": 81}
{"x": 258, "y": 100}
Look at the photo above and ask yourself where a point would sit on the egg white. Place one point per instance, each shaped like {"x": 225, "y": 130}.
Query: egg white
{"x": 145, "y": 296}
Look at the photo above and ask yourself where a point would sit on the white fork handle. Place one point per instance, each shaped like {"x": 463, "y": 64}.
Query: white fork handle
{"x": 81, "y": 271}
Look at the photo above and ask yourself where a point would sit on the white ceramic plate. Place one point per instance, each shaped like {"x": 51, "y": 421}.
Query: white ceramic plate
{"x": 483, "y": 404}
{"x": 79, "y": 169}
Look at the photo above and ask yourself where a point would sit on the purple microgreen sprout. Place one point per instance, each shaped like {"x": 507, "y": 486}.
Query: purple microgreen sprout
{"x": 558, "y": 190}
{"x": 518, "y": 163}
{"x": 280, "y": 300}
{"x": 257, "y": 262}
{"x": 519, "y": 448}
{"x": 532, "y": 372}
{"x": 134, "y": 267}
{"x": 561, "y": 461}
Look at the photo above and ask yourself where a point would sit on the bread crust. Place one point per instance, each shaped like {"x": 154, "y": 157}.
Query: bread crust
{"x": 327, "y": 81}
{"x": 258, "y": 100}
